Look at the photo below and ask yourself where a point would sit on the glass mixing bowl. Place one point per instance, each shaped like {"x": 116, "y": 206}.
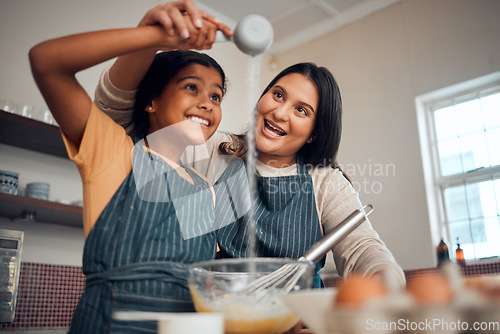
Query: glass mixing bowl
{"x": 219, "y": 286}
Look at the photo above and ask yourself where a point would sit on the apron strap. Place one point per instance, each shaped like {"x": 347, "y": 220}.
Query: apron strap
{"x": 301, "y": 168}
{"x": 171, "y": 272}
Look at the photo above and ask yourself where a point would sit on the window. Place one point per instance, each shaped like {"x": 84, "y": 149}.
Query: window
{"x": 460, "y": 140}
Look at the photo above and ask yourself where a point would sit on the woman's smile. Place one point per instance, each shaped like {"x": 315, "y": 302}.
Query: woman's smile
{"x": 273, "y": 130}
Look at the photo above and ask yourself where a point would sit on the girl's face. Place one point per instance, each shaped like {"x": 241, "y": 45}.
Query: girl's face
{"x": 194, "y": 96}
{"x": 285, "y": 119}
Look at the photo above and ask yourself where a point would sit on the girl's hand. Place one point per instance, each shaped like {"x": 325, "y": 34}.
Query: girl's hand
{"x": 128, "y": 70}
{"x": 197, "y": 32}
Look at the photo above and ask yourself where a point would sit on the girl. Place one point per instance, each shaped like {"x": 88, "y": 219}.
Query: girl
{"x": 137, "y": 241}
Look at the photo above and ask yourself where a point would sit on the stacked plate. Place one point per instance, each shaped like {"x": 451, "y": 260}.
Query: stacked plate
{"x": 8, "y": 182}
{"x": 38, "y": 190}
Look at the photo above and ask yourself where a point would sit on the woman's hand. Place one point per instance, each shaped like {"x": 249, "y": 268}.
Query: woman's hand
{"x": 295, "y": 329}
{"x": 197, "y": 32}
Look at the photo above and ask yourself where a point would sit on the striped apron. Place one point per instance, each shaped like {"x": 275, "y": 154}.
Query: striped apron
{"x": 135, "y": 256}
{"x": 286, "y": 221}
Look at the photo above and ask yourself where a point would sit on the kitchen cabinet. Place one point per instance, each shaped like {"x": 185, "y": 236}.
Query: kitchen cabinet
{"x": 44, "y": 138}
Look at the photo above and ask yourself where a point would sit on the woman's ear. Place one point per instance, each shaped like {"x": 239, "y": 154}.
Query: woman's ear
{"x": 311, "y": 139}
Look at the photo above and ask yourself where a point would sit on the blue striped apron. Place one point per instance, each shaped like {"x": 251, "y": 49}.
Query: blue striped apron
{"x": 135, "y": 256}
{"x": 286, "y": 221}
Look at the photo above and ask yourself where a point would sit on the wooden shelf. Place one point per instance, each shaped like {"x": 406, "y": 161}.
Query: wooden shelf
{"x": 19, "y": 131}
{"x": 13, "y": 206}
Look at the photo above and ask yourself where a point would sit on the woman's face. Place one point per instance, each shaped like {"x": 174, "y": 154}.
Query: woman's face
{"x": 192, "y": 97}
{"x": 285, "y": 119}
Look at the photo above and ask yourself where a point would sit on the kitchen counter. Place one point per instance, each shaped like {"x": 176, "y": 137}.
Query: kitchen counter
{"x": 61, "y": 286}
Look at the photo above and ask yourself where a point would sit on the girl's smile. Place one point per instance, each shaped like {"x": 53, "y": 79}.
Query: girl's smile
{"x": 200, "y": 120}
{"x": 194, "y": 96}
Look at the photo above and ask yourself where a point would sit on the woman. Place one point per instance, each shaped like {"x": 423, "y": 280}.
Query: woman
{"x": 297, "y": 139}
{"x": 298, "y": 130}
{"x": 138, "y": 240}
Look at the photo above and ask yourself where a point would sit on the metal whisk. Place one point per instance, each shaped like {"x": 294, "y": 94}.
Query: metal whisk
{"x": 291, "y": 273}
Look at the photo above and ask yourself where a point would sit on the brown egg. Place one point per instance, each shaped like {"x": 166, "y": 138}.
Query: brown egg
{"x": 356, "y": 290}
{"x": 489, "y": 288}
{"x": 430, "y": 290}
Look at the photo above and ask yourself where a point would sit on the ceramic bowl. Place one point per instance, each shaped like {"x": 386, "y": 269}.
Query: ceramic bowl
{"x": 39, "y": 190}
{"x": 9, "y": 182}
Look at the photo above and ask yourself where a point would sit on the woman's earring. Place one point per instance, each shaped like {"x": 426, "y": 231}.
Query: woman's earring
{"x": 149, "y": 108}
{"x": 310, "y": 140}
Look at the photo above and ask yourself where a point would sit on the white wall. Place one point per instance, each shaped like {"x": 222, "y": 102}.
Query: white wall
{"x": 45, "y": 243}
{"x": 48, "y": 243}
{"x": 382, "y": 62}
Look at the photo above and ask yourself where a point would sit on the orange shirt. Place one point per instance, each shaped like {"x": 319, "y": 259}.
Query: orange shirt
{"x": 104, "y": 159}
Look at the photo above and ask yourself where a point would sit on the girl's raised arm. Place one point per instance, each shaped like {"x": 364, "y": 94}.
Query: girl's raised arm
{"x": 55, "y": 62}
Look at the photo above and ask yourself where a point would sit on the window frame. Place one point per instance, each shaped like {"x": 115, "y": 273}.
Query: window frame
{"x": 435, "y": 183}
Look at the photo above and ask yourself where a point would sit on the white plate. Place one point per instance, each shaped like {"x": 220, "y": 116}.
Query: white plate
{"x": 174, "y": 323}
{"x": 311, "y": 306}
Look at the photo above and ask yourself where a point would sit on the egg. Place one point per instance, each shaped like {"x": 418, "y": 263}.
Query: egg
{"x": 356, "y": 290}
{"x": 430, "y": 290}
{"x": 488, "y": 287}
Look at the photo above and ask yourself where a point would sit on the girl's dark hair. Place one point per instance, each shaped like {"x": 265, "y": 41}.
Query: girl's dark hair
{"x": 328, "y": 123}
{"x": 163, "y": 68}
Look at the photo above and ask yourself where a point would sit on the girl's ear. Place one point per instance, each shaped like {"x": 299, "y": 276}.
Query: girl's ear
{"x": 151, "y": 107}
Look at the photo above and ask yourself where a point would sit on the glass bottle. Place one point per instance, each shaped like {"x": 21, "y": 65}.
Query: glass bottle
{"x": 459, "y": 253}
{"x": 443, "y": 255}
